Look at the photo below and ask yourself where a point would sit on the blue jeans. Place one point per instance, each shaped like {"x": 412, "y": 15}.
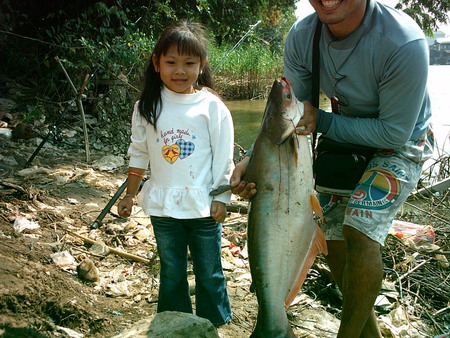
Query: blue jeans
{"x": 203, "y": 237}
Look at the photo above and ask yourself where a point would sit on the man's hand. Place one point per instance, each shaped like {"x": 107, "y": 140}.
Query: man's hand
{"x": 218, "y": 211}
{"x": 307, "y": 123}
{"x": 241, "y": 188}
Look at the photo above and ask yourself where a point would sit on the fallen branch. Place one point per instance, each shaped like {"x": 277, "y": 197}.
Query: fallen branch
{"x": 240, "y": 208}
{"x": 441, "y": 311}
{"x": 79, "y": 105}
{"x": 41, "y": 41}
{"x": 428, "y": 213}
{"x": 431, "y": 189}
{"x": 112, "y": 250}
{"x": 414, "y": 269}
{"x": 15, "y": 187}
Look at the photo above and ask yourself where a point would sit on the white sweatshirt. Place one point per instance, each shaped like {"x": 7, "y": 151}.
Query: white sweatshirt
{"x": 190, "y": 153}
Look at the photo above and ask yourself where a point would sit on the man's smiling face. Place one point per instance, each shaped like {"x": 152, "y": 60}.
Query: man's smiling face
{"x": 341, "y": 16}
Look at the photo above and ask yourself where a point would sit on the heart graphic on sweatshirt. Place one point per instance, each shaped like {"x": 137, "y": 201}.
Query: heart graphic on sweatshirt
{"x": 171, "y": 153}
{"x": 186, "y": 148}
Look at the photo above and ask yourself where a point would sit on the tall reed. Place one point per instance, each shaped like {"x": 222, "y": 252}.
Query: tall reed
{"x": 245, "y": 73}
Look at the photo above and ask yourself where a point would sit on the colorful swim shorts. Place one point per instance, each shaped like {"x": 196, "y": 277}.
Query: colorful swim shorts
{"x": 390, "y": 177}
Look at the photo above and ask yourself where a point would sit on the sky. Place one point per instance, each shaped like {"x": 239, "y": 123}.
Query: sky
{"x": 304, "y": 8}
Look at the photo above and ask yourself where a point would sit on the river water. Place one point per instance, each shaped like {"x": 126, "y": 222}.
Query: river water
{"x": 247, "y": 114}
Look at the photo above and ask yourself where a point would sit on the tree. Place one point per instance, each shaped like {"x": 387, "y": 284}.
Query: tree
{"x": 427, "y": 13}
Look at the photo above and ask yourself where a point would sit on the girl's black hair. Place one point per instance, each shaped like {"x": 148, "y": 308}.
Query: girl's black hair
{"x": 190, "y": 39}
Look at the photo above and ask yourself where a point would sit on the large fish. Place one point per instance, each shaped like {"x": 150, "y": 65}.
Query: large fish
{"x": 283, "y": 237}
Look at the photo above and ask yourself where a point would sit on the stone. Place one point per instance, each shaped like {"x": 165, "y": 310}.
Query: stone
{"x": 87, "y": 271}
{"x": 172, "y": 324}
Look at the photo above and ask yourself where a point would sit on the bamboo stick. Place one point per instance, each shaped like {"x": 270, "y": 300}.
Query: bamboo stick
{"x": 112, "y": 250}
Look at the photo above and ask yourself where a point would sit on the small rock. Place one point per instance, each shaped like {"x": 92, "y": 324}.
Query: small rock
{"x": 23, "y": 131}
{"x": 7, "y": 105}
{"x": 87, "y": 271}
{"x": 5, "y": 133}
{"x": 108, "y": 162}
{"x": 11, "y": 161}
{"x": 6, "y": 117}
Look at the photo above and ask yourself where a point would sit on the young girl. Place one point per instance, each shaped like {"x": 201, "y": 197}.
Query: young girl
{"x": 186, "y": 134}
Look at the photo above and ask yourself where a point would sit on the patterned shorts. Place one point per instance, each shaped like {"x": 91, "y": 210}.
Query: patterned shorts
{"x": 390, "y": 177}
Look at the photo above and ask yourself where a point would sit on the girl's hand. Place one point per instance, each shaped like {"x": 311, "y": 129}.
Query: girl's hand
{"x": 125, "y": 206}
{"x": 218, "y": 211}
{"x": 307, "y": 123}
{"x": 238, "y": 187}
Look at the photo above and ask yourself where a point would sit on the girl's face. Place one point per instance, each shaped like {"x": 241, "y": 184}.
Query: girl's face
{"x": 178, "y": 72}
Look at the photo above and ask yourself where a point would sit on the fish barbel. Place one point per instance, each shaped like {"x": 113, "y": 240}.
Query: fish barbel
{"x": 283, "y": 237}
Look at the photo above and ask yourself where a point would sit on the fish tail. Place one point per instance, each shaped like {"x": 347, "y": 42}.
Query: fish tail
{"x": 319, "y": 245}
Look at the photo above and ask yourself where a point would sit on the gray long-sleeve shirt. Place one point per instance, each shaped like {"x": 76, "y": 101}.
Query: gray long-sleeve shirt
{"x": 378, "y": 73}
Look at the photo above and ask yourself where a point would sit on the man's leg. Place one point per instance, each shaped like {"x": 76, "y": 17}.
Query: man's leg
{"x": 354, "y": 258}
{"x": 357, "y": 269}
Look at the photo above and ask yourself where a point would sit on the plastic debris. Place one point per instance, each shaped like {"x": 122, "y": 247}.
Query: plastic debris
{"x": 64, "y": 260}
{"x": 71, "y": 333}
{"x": 99, "y": 249}
{"x": 235, "y": 250}
{"x": 399, "y": 323}
{"x": 412, "y": 233}
{"x": 21, "y": 224}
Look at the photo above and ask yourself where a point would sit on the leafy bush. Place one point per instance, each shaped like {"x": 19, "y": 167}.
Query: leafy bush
{"x": 101, "y": 40}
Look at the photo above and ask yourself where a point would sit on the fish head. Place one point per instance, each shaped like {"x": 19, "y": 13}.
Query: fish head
{"x": 283, "y": 111}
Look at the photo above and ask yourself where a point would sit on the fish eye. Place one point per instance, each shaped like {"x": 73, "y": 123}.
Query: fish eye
{"x": 287, "y": 96}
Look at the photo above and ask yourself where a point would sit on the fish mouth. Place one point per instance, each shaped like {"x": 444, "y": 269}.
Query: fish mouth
{"x": 283, "y": 111}
{"x": 286, "y": 81}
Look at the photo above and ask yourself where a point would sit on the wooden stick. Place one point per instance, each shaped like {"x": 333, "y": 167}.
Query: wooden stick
{"x": 79, "y": 106}
{"x": 112, "y": 250}
{"x": 441, "y": 310}
{"x": 432, "y": 188}
{"x": 241, "y": 208}
{"x": 414, "y": 268}
{"x": 83, "y": 118}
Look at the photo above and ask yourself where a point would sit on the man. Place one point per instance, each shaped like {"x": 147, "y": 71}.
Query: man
{"x": 374, "y": 61}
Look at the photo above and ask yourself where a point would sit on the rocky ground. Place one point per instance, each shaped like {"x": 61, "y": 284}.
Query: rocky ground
{"x": 46, "y": 213}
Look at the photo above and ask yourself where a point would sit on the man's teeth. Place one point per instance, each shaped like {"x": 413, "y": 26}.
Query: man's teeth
{"x": 330, "y": 3}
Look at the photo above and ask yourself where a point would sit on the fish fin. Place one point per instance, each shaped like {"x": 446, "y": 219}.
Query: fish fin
{"x": 321, "y": 242}
{"x": 315, "y": 205}
{"x": 319, "y": 245}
